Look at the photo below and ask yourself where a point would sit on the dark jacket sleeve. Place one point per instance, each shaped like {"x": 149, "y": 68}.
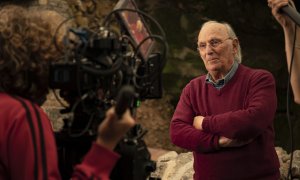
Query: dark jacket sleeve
{"x": 255, "y": 118}
{"x": 182, "y": 132}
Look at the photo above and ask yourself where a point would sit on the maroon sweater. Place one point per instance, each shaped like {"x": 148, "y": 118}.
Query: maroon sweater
{"x": 28, "y": 149}
{"x": 243, "y": 109}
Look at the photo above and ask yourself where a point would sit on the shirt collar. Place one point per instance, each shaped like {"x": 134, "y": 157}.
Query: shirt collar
{"x": 222, "y": 82}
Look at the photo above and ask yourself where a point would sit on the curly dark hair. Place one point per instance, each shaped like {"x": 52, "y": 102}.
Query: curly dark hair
{"x": 26, "y": 48}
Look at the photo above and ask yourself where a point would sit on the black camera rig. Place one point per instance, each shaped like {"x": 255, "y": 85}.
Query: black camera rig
{"x": 101, "y": 68}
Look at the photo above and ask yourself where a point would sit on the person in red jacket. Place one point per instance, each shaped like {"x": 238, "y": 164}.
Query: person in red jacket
{"x": 226, "y": 116}
{"x": 27, "y": 145}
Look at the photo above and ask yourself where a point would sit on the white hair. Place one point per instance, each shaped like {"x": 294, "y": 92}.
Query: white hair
{"x": 231, "y": 34}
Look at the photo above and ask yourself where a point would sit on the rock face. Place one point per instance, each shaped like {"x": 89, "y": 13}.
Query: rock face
{"x": 284, "y": 159}
{"x": 173, "y": 166}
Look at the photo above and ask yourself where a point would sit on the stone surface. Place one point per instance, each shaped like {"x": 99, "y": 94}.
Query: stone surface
{"x": 173, "y": 166}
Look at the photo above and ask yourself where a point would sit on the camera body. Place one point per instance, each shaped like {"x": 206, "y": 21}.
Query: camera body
{"x": 95, "y": 67}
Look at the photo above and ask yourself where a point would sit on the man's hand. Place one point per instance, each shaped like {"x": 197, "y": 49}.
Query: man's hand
{"x": 198, "y": 122}
{"x": 226, "y": 142}
{"x": 223, "y": 141}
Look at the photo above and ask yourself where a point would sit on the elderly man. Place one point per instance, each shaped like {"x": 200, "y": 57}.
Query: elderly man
{"x": 226, "y": 117}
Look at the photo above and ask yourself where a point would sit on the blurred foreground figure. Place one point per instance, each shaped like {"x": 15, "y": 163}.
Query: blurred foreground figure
{"x": 27, "y": 145}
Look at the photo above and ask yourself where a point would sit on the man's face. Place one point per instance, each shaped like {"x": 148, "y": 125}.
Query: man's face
{"x": 216, "y": 48}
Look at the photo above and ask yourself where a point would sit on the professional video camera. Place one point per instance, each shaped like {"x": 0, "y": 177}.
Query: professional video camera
{"x": 116, "y": 63}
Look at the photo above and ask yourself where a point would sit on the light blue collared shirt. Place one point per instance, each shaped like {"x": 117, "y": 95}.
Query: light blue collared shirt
{"x": 222, "y": 82}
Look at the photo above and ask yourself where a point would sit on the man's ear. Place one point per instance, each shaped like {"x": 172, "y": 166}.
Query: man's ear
{"x": 235, "y": 43}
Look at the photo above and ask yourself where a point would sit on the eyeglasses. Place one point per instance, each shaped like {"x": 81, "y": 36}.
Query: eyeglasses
{"x": 212, "y": 43}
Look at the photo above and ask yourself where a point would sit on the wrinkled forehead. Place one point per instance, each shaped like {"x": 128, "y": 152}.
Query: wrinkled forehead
{"x": 212, "y": 30}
